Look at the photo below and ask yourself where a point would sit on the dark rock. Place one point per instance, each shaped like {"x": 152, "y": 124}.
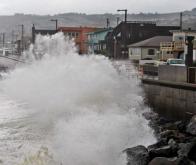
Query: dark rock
{"x": 181, "y": 125}
{"x": 164, "y": 161}
{"x": 172, "y": 143}
{"x": 188, "y": 150}
{"x": 192, "y": 153}
{"x": 171, "y": 161}
{"x": 173, "y": 134}
{"x": 185, "y": 161}
{"x": 180, "y": 137}
{"x": 168, "y": 134}
{"x": 184, "y": 149}
{"x": 165, "y": 151}
{"x": 170, "y": 126}
{"x": 161, "y": 143}
{"x": 163, "y": 121}
{"x": 137, "y": 155}
{"x": 151, "y": 116}
{"x": 191, "y": 127}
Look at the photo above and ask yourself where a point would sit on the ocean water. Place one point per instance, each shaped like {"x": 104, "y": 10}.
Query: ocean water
{"x": 61, "y": 108}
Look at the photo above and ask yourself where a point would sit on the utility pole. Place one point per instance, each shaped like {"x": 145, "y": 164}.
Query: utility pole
{"x": 22, "y": 39}
{"x": 12, "y": 43}
{"x": 125, "y": 10}
{"x": 108, "y": 23}
{"x": 3, "y": 40}
{"x": 181, "y": 21}
{"x": 2, "y": 36}
{"x": 56, "y": 22}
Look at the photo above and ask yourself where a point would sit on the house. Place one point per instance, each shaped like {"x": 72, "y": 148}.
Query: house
{"x": 96, "y": 41}
{"x": 130, "y": 32}
{"x": 178, "y": 45}
{"x": 79, "y": 34}
{"x": 149, "y": 49}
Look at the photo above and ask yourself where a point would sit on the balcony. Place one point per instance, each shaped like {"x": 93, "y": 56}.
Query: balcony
{"x": 172, "y": 46}
{"x": 166, "y": 46}
{"x": 179, "y": 46}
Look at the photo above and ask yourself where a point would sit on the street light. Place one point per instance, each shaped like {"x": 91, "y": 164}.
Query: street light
{"x": 3, "y": 40}
{"x": 125, "y": 10}
{"x": 56, "y": 21}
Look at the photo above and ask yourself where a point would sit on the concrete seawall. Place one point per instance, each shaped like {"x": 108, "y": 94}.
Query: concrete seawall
{"x": 171, "y": 99}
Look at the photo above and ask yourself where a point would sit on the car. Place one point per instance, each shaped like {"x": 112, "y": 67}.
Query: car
{"x": 175, "y": 62}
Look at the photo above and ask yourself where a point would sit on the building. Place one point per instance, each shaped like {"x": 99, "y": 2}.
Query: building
{"x": 96, "y": 41}
{"x": 42, "y": 32}
{"x": 79, "y": 34}
{"x": 178, "y": 44}
{"x": 130, "y": 32}
{"x": 149, "y": 49}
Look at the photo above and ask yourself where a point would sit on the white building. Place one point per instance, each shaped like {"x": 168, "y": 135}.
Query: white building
{"x": 149, "y": 49}
{"x": 178, "y": 45}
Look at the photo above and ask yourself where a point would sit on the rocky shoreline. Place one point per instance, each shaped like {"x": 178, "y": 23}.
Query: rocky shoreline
{"x": 176, "y": 143}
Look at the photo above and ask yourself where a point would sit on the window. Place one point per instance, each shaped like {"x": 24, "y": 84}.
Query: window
{"x": 73, "y": 34}
{"x": 178, "y": 38}
{"x": 134, "y": 51}
{"x": 151, "y": 52}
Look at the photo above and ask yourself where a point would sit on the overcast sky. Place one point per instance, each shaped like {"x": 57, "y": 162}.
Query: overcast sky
{"x": 51, "y": 7}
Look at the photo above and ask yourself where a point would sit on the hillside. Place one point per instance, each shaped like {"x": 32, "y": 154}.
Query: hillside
{"x": 13, "y": 22}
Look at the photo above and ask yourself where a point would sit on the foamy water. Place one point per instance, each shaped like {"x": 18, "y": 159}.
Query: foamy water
{"x": 62, "y": 108}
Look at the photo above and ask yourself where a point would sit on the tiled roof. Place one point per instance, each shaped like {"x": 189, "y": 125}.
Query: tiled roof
{"x": 152, "y": 42}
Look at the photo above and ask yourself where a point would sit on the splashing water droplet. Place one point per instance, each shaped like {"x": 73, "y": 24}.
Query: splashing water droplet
{"x": 77, "y": 106}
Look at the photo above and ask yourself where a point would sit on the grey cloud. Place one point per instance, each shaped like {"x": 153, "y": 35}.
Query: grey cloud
{"x": 92, "y": 6}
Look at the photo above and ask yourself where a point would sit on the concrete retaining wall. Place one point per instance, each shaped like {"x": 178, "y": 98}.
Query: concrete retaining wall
{"x": 172, "y": 73}
{"x": 172, "y": 100}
